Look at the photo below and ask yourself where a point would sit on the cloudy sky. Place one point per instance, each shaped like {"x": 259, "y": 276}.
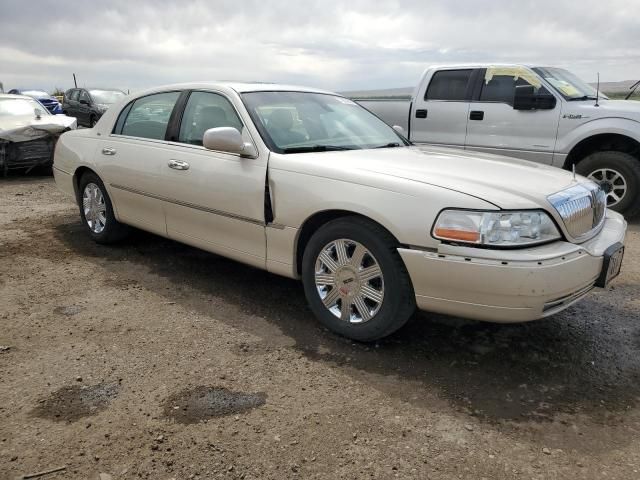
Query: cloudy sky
{"x": 333, "y": 44}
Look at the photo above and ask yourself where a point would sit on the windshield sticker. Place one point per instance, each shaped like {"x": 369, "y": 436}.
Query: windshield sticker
{"x": 516, "y": 73}
{"x": 565, "y": 87}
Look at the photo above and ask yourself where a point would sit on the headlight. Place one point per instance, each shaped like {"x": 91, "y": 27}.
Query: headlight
{"x": 499, "y": 229}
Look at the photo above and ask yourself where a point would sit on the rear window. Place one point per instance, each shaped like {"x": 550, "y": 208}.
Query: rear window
{"x": 147, "y": 117}
{"x": 449, "y": 85}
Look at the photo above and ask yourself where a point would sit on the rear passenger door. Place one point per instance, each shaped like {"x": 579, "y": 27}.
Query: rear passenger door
{"x": 439, "y": 114}
{"x": 133, "y": 160}
{"x": 71, "y": 103}
{"x": 215, "y": 200}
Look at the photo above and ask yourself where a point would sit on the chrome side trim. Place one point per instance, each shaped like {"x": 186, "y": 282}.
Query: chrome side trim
{"x": 191, "y": 205}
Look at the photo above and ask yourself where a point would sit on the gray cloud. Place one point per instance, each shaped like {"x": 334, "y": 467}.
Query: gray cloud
{"x": 332, "y": 44}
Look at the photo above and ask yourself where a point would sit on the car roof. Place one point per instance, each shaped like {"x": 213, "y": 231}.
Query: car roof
{"x": 14, "y": 96}
{"x": 239, "y": 87}
{"x": 480, "y": 65}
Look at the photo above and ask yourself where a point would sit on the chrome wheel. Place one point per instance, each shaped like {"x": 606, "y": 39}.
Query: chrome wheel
{"x": 612, "y": 182}
{"x": 94, "y": 208}
{"x": 349, "y": 281}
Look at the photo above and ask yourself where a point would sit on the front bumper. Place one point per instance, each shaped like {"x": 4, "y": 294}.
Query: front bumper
{"x": 509, "y": 286}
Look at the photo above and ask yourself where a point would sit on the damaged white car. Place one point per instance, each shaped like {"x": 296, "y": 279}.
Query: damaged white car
{"x": 28, "y": 133}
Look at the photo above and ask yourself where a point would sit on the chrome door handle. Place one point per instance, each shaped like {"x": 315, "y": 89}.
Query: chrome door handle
{"x": 108, "y": 151}
{"x": 178, "y": 165}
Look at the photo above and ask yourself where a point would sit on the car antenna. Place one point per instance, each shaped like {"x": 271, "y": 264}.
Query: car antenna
{"x": 573, "y": 169}
{"x": 598, "y": 90}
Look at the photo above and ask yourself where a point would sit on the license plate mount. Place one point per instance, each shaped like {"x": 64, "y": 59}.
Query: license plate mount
{"x": 611, "y": 265}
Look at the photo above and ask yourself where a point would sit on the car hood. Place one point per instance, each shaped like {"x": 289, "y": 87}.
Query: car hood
{"x": 605, "y": 109}
{"x": 505, "y": 182}
{"x": 26, "y": 127}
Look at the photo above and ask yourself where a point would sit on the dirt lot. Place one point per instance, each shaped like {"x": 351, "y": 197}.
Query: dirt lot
{"x": 156, "y": 360}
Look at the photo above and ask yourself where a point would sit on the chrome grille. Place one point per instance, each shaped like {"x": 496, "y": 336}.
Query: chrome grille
{"x": 582, "y": 208}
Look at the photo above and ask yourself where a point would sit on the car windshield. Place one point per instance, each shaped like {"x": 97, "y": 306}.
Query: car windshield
{"x": 567, "y": 84}
{"x": 20, "y": 106}
{"x": 36, "y": 93}
{"x": 106, "y": 97}
{"x": 296, "y": 122}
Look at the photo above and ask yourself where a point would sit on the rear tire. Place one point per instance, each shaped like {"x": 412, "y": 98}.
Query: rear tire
{"x": 96, "y": 211}
{"x": 92, "y": 122}
{"x": 355, "y": 281}
{"x": 619, "y": 174}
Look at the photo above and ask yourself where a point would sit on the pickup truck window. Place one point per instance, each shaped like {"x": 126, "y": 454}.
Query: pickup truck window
{"x": 148, "y": 117}
{"x": 206, "y": 110}
{"x": 449, "y": 85}
{"x": 500, "y": 83}
{"x": 297, "y": 122}
{"x": 565, "y": 82}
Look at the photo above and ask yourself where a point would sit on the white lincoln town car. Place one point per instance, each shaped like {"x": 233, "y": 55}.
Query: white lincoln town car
{"x": 309, "y": 185}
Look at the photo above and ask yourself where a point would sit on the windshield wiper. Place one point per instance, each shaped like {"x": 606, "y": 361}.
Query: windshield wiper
{"x": 389, "y": 145}
{"x": 314, "y": 148}
{"x": 584, "y": 97}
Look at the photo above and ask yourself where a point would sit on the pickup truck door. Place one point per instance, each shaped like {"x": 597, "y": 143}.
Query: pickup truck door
{"x": 495, "y": 127}
{"x": 214, "y": 200}
{"x": 441, "y": 107}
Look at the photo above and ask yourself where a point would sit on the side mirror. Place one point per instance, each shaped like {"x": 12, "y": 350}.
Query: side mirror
{"x": 38, "y": 113}
{"x": 227, "y": 139}
{"x": 84, "y": 102}
{"x": 525, "y": 98}
{"x": 400, "y": 130}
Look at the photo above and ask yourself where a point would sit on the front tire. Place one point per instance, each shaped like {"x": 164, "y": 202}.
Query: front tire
{"x": 96, "y": 211}
{"x": 619, "y": 175}
{"x": 355, "y": 281}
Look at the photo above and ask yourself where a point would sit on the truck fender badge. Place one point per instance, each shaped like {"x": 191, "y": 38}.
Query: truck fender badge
{"x": 572, "y": 116}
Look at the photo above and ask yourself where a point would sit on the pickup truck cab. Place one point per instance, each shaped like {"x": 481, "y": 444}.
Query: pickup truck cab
{"x": 542, "y": 114}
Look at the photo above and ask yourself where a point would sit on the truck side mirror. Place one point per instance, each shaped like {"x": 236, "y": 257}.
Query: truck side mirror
{"x": 525, "y": 98}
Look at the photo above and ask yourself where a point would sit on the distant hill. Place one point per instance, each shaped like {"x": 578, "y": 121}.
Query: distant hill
{"x": 616, "y": 87}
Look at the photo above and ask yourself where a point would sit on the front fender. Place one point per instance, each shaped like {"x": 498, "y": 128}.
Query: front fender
{"x": 609, "y": 125}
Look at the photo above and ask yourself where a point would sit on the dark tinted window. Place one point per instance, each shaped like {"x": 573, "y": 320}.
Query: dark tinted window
{"x": 84, "y": 96}
{"x": 500, "y": 83}
{"x": 204, "y": 111}
{"x": 72, "y": 94}
{"x": 449, "y": 85}
{"x": 148, "y": 116}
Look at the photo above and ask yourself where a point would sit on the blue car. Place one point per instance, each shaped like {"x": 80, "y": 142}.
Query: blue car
{"x": 43, "y": 97}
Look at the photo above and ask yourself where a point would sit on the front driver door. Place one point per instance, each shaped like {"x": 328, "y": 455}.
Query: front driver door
{"x": 495, "y": 127}
{"x": 215, "y": 200}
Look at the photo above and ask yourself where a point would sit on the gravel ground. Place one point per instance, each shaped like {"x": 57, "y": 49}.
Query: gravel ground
{"x": 156, "y": 360}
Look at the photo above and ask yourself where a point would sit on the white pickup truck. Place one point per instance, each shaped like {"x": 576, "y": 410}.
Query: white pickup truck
{"x": 543, "y": 114}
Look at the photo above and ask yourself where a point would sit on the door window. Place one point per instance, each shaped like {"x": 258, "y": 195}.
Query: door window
{"x": 500, "y": 83}
{"x": 452, "y": 85}
{"x": 84, "y": 96}
{"x": 73, "y": 94}
{"x": 148, "y": 116}
{"x": 206, "y": 110}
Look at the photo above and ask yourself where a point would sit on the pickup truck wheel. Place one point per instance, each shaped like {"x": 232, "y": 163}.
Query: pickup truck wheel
{"x": 619, "y": 175}
{"x": 355, "y": 281}
{"x": 96, "y": 211}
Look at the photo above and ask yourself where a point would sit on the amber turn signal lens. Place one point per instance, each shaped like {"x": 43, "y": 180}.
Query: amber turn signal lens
{"x": 462, "y": 235}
